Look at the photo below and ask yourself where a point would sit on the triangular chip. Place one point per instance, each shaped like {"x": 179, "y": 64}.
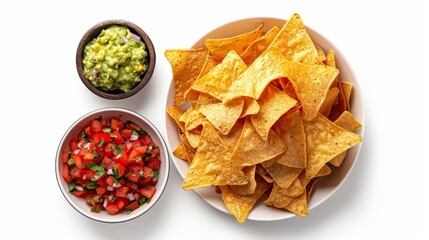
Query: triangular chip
{"x": 231, "y": 139}
{"x": 348, "y": 122}
{"x": 189, "y": 150}
{"x": 299, "y": 205}
{"x": 273, "y": 104}
{"x": 278, "y": 197}
{"x": 311, "y": 84}
{"x": 252, "y": 149}
{"x": 251, "y": 107}
{"x": 217, "y": 81}
{"x": 295, "y": 43}
{"x": 250, "y": 187}
{"x": 219, "y": 47}
{"x": 223, "y": 116}
{"x": 241, "y": 206}
{"x": 325, "y": 109}
{"x": 325, "y": 140}
{"x": 211, "y": 164}
{"x": 291, "y": 131}
{"x": 175, "y": 113}
{"x": 267, "y": 67}
{"x": 180, "y": 152}
{"x": 281, "y": 174}
{"x": 186, "y": 66}
{"x": 259, "y": 45}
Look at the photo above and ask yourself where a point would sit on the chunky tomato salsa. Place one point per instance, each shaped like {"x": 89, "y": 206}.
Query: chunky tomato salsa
{"x": 113, "y": 164}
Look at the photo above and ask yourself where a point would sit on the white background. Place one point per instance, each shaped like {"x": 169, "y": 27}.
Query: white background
{"x": 41, "y": 94}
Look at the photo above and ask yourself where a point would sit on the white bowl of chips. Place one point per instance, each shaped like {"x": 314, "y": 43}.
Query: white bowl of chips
{"x": 241, "y": 156}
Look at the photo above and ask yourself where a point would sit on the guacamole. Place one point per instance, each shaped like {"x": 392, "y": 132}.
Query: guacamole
{"x": 115, "y": 60}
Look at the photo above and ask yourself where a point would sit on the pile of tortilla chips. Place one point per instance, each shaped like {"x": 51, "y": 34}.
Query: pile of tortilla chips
{"x": 261, "y": 115}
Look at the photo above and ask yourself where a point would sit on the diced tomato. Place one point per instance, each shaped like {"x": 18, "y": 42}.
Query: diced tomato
{"x": 153, "y": 163}
{"x": 121, "y": 202}
{"x": 122, "y": 191}
{"x": 116, "y": 124}
{"x": 65, "y": 156}
{"x": 100, "y": 190}
{"x": 144, "y": 181}
{"x": 110, "y": 180}
{"x": 148, "y": 191}
{"x": 75, "y": 173}
{"x": 96, "y": 126}
{"x": 105, "y": 136}
{"x": 78, "y": 193}
{"x": 132, "y": 125}
{"x": 106, "y": 160}
{"x": 77, "y": 161}
{"x": 87, "y": 174}
{"x": 132, "y": 206}
{"x": 66, "y": 173}
{"x": 108, "y": 149}
{"x": 133, "y": 177}
{"x": 89, "y": 200}
{"x": 122, "y": 158}
{"x": 73, "y": 145}
{"x": 148, "y": 140}
{"x": 146, "y": 172}
{"x": 112, "y": 208}
{"x": 87, "y": 130}
{"x": 120, "y": 168}
{"x": 118, "y": 139}
{"x": 126, "y": 133}
{"x": 155, "y": 152}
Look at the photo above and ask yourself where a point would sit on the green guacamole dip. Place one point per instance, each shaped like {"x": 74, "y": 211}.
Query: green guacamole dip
{"x": 115, "y": 60}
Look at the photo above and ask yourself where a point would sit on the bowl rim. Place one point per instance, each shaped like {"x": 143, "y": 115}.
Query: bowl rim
{"x": 160, "y": 189}
{"x": 93, "y": 32}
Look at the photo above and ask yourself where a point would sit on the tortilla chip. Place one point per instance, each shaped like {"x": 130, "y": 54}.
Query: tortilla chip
{"x": 309, "y": 188}
{"x": 175, "y": 113}
{"x": 278, "y": 197}
{"x": 325, "y": 140}
{"x": 194, "y": 119}
{"x": 211, "y": 164}
{"x": 321, "y": 53}
{"x": 291, "y": 131}
{"x": 332, "y": 95}
{"x": 193, "y": 136}
{"x": 232, "y": 138}
{"x": 267, "y": 67}
{"x": 250, "y": 107}
{"x": 295, "y": 189}
{"x": 273, "y": 104}
{"x": 219, "y": 79}
{"x": 250, "y": 187}
{"x": 263, "y": 173}
{"x": 299, "y": 205}
{"x": 189, "y": 150}
{"x": 186, "y": 65}
{"x": 322, "y": 172}
{"x": 348, "y": 122}
{"x": 240, "y": 206}
{"x": 180, "y": 152}
{"x": 288, "y": 88}
{"x": 192, "y": 95}
{"x": 347, "y": 89}
{"x": 252, "y": 149}
{"x": 311, "y": 84}
{"x": 220, "y": 47}
{"x": 295, "y": 43}
{"x": 259, "y": 45}
{"x": 281, "y": 174}
{"x": 223, "y": 116}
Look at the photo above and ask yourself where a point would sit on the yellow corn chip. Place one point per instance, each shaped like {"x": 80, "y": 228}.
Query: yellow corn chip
{"x": 180, "y": 152}
{"x": 240, "y": 206}
{"x": 219, "y": 48}
{"x": 230, "y": 113}
{"x": 291, "y": 131}
{"x": 175, "y": 113}
{"x": 211, "y": 164}
{"x": 250, "y": 187}
{"x": 325, "y": 109}
{"x": 299, "y": 205}
{"x": 186, "y": 66}
{"x": 273, "y": 104}
{"x": 281, "y": 174}
{"x": 252, "y": 149}
{"x": 325, "y": 140}
{"x": 259, "y": 45}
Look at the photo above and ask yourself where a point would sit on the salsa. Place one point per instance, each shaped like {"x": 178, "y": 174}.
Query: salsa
{"x": 115, "y": 60}
{"x": 113, "y": 165}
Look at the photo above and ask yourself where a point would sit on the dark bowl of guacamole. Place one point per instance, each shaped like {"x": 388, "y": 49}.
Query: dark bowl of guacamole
{"x": 115, "y": 59}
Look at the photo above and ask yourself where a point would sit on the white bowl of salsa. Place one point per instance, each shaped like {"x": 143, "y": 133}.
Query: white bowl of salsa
{"x": 112, "y": 165}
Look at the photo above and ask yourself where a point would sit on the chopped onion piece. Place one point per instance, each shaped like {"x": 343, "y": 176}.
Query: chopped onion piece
{"x": 131, "y": 197}
{"x": 135, "y": 37}
{"x": 124, "y": 38}
{"x": 87, "y": 146}
{"x": 134, "y": 137}
{"x": 76, "y": 151}
{"x": 96, "y": 74}
{"x": 116, "y": 185}
{"x": 95, "y": 177}
{"x": 105, "y": 204}
{"x": 109, "y": 188}
{"x": 109, "y": 172}
{"x": 77, "y": 187}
